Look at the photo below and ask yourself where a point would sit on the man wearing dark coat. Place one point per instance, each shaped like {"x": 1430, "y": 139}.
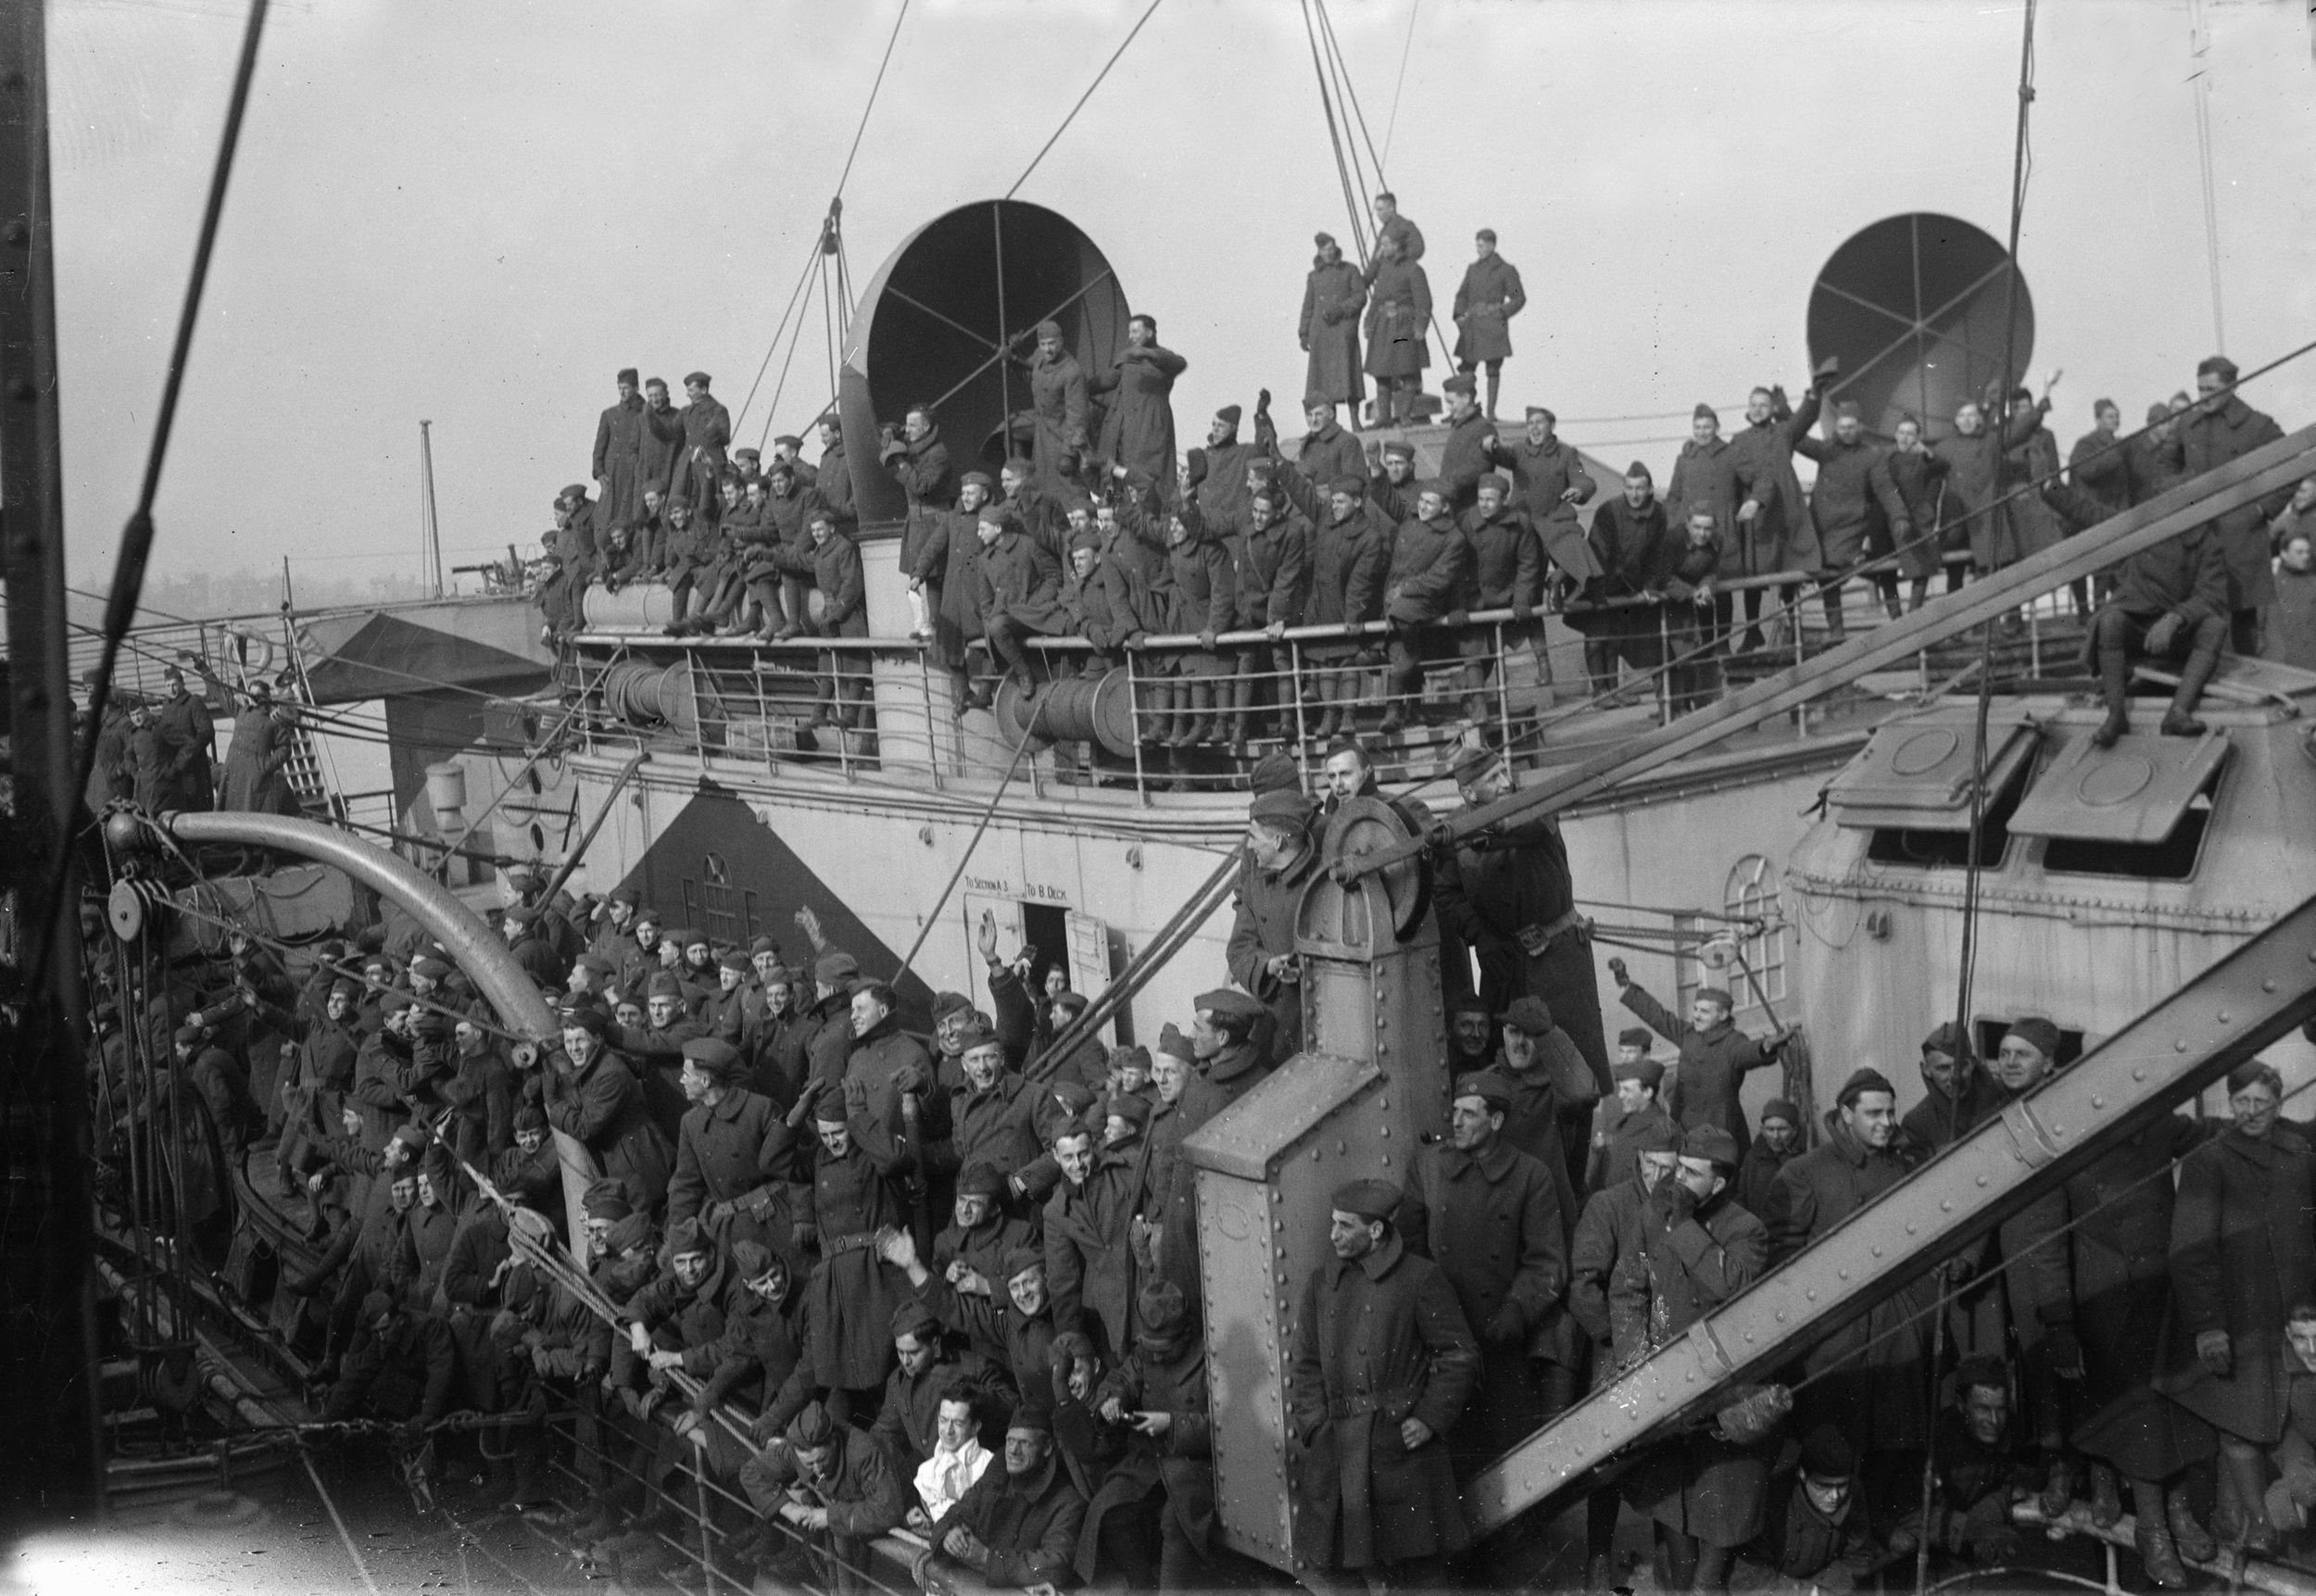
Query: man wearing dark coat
{"x": 1159, "y": 1391}
{"x": 1262, "y": 946}
{"x": 1328, "y": 450}
{"x": 184, "y": 722}
{"x": 1138, "y": 432}
{"x": 1431, "y": 562}
{"x": 1509, "y": 895}
{"x": 1715, "y": 1055}
{"x": 1486, "y": 301}
{"x": 854, "y": 1194}
{"x": 592, "y": 1096}
{"x": 833, "y": 564}
{"x": 1866, "y": 1379}
{"x": 833, "y": 1484}
{"x": 1489, "y": 1216}
{"x": 1020, "y": 593}
{"x": 1381, "y": 1366}
{"x": 1775, "y": 1145}
{"x": 1634, "y": 547}
{"x": 617, "y": 461}
{"x": 2099, "y": 463}
{"x": 1089, "y": 1261}
{"x": 1017, "y": 1527}
{"x": 733, "y": 1153}
{"x": 707, "y": 432}
{"x": 257, "y": 758}
{"x": 1057, "y": 408}
{"x": 832, "y": 477}
{"x": 1332, "y": 297}
{"x": 1956, "y": 1093}
{"x": 660, "y": 444}
{"x": 2221, "y": 428}
{"x": 1548, "y": 482}
{"x": 1772, "y": 531}
{"x": 1398, "y": 329}
{"x": 1856, "y": 511}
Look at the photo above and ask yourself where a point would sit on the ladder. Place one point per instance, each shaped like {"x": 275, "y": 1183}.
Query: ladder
{"x": 310, "y": 773}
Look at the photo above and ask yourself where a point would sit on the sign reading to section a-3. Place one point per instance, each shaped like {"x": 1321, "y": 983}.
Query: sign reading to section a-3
{"x": 1036, "y": 892}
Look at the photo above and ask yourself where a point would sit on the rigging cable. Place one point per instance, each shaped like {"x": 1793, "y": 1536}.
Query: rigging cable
{"x": 1407, "y": 44}
{"x": 2199, "y": 46}
{"x": 1081, "y": 100}
{"x": 1335, "y": 138}
{"x": 136, "y": 537}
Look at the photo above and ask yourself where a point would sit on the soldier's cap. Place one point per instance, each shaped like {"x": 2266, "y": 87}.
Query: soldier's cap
{"x": 1826, "y": 1454}
{"x": 1071, "y": 1003}
{"x": 1540, "y": 413}
{"x": 596, "y": 962}
{"x": 1487, "y": 233}
{"x": 736, "y": 959}
{"x": 1161, "y": 1308}
{"x": 1530, "y": 1015}
{"x": 1639, "y": 469}
{"x": 587, "y": 1017}
{"x": 777, "y": 974}
{"x": 350, "y": 989}
{"x": 1949, "y": 1041}
{"x": 1712, "y": 1144}
{"x": 607, "y": 1199}
{"x": 752, "y": 1260}
{"x": 1315, "y": 401}
{"x": 2038, "y": 1032}
{"x": 1020, "y": 1260}
{"x": 1433, "y": 485}
{"x": 812, "y": 1429}
{"x": 835, "y": 967}
{"x": 646, "y": 915}
{"x": 191, "y": 1035}
{"x": 1274, "y": 772}
{"x": 395, "y": 1002}
{"x": 1175, "y": 1045}
{"x": 376, "y": 1306}
{"x": 530, "y": 1116}
{"x": 409, "y": 1135}
{"x": 1847, "y": 407}
{"x": 749, "y": 454}
{"x": 913, "y": 1318}
{"x": 1403, "y": 450}
{"x": 1468, "y": 1003}
{"x": 1131, "y": 1058}
{"x": 432, "y": 969}
{"x": 1828, "y": 366}
{"x": 717, "y": 1059}
{"x": 1087, "y": 538}
{"x": 1717, "y": 994}
{"x": 1323, "y": 239}
{"x": 701, "y": 379}
{"x": 787, "y": 441}
{"x": 1367, "y": 1199}
{"x": 980, "y": 1178}
{"x": 1862, "y": 1082}
{"x": 1126, "y": 1106}
{"x": 1636, "y": 1037}
{"x": 828, "y": 418}
{"x": 693, "y": 937}
{"x": 1350, "y": 486}
{"x": 763, "y": 945}
{"x": 1282, "y": 807}
{"x": 1459, "y": 383}
{"x": 573, "y": 493}
{"x": 1648, "y": 1072}
{"x": 1471, "y": 763}
{"x": 685, "y": 1236}
{"x": 1781, "y": 1108}
{"x": 1982, "y": 1371}
{"x": 1229, "y": 1004}
{"x": 1077, "y": 1098}
{"x": 517, "y": 915}
{"x": 1487, "y": 1085}
{"x": 1033, "y": 1413}
{"x": 1497, "y": 480}
{"x": 1705, "y": 413}
{"x": 948, "y": 1003}
{"x": 1020, "y": 465}
{"x": 2159, "y": 411}
{"x": 828, "y": 1109}
{"x": 972, "y": 1035}
{"x": 996, "y": 513}
{"x": 1229, "y": 414}
{"x": 628, "y": 1234}
{"x": 1659, "y": 1135}
{"x": 663, "y": 983}
{"x": 1049, "y": 329}
{"x": 984, "y": 478}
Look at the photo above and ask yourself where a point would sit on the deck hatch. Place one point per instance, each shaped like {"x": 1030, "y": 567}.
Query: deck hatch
{"x": 1915, "y": 775}
{"x": 2136, "y": 792}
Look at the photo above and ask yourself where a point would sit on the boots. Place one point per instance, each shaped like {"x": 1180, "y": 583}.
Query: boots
{"x": 2160, "y": 1556}
{"x": 2059, "y": 1486}
{"x": 1495, "y": 385}
{"x": 1332, "y": 716}
{"x": 2195, "y": 1542}
{"x": 1241, "y": 697}
{"x": 2107, "y": 1498}
{"x": 2115, "y": 690}
{"x": 1197, "y": 721}
{"x": 2180, "y": 719}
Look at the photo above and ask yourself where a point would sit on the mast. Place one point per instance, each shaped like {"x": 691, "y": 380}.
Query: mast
{"x": 46, "y": 1287}
{"x": 429, "y": 523}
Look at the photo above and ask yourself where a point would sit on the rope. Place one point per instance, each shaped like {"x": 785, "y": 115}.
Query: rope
{"x": 988, "y": 813}
{"x": 1335, "y": 138}
{"x": 890, "y": 40}
{"x": 1081, "y": 101}
{"x": 136, "y": 538}
{"x": 344, "y": 1538}
{"x": 810, "y": 261}
{"x": 1407, "y": 44}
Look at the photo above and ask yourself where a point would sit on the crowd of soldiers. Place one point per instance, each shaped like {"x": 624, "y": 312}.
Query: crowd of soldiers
{"x": 847, "y": 1267}
{"x": 160, "y": 752}
{"x": 1095, "y": 527}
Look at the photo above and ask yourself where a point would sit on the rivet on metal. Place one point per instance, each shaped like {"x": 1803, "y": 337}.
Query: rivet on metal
{"x": 2095, "y": 1102}
{"x": 1982, "y": 1180}
{"x": 2226, "y": 1018}
{"x": 2138, "y": 1074}
{"x": 2179, "y": 1047}
{"x": 1948, "y": 1206}
{"x": 2269, "y": 984}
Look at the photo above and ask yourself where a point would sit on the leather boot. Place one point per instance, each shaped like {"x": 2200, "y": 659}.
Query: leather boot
{"x": 2107, "y": 1497}
{"x": 2180, "y": 719}
{"x": 2059, "y": 1486}
{"x": 2159, "y": 1557}
{"x": 2195, "y": 1542}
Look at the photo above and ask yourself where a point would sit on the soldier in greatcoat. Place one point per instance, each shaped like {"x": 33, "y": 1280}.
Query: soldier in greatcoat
{"x": 733, "y": 1153}
{"x": 853, "y": 1196}
{"x": 617, "y": 461}
{"x": 1262, "y": 946}
{"x": 1333, "y": 295}
{"x": 2221, "y": 428}
{"x": 1020, "y": 593}
{"x": 1058, "y": 409}
{"x": 1489, "y": 1216}
{"x": 593, "y": 1098}
{"x": 1715, "y": 1055}
{"x": 1486, "y": 301}
{"x": 1381, "y": 1366}
{"x": 1138, "y": 431}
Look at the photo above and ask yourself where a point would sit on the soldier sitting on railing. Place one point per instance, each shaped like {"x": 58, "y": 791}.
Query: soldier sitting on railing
{"x": 691, "y": 565}
{"x": 1019, "y": 592}
{"x": 835, "y": 1487}
{"x": 1635, "y": 548}
{"x": 1272, "y": 549}
{"x": 1203, "y": 600}
{"x": 1431, "y": 564}
{"x": 1508, "y": 571}
{"x": 1098, "y": 595}
{"x": 1696, "y": 622}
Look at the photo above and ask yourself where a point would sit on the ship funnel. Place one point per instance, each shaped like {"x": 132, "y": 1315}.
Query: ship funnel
{"x": 936, "y": 321}
{"x": 1913, "y": 307}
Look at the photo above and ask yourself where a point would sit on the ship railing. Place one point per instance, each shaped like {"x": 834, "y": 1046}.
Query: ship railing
{"x": 1178, "y": 712}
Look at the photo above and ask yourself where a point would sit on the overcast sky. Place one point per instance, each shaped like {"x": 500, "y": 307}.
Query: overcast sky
{"x": 476, "y": 213}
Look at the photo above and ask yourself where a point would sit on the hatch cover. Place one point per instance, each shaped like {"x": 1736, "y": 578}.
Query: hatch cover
{"x": 2135, "y": 792}
{"x": 1915, "y": 775}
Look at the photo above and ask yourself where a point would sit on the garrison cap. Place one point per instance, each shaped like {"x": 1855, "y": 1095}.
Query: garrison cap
{"x": 835, "y": 967}
{"x": 1405, "y": 451}
{"x": 1049, "y": 329}
{"x": 1487, "y": 1085}
{"x": 530, "y": 1116}
{"x": 1862, "y": 1082}
{"x": 974, "y": 1035}
{"x": 629, "y": 1233}
{"x": 1134, "y": 1109}
{"x": 1274, "y": 772}
{"x": 1459, "y": 383}
{"x": 1077, "y": 1098}
{"x": 736, "y": 959}
{"x": 1717, "y": 994}
{"x": 695, "y": 937}
{"x": 913, "y": 1318}
{"x": 1487, "y": 233}
{"x": 1781, "y": 1108}
{"x": 1367, "y": 1199}
{"x": 1323, "y": 240}
{"x": 1531, "y": 1015}
{"x": 1161, "y": 1308}
{"x": 1350, "y": 486}
{"x": 585, "y": 1017}
{"x": 607, "y": 1199}
{"x": 1282, "y": 807}
{"x": 1712, "y": 1144}
{"x": 595, "y": 962}
{"x": 1175, "y": 1045}
{"x": 1827, "y": 1454}
{"x": 663, "y": 983}
{"x": 432, "y": 968}
{"x": 751, "y": 1259}
{"x": 627, "y": 375}
{"x": 1948, "y": 1040}
{"x": 717, "y": 1059}
{"x": 1648, "y": 1072}
{"x": 1315, "y": 401}
{"x": 1540, "y": 413}
{"x": 1659, "y": 1135}
{"x": 812, "y": 1429}
{"x": 1230, "y": 413}
{"x": 699, "y": 377}
{"x": 1020, "y": 1260}
{"x": 980, "y": 1178}
{"x": 2039, "y": 1032}
{"x": 763, "y": 945}
{"x": 1705, "y": 413}
{"x": 1636, "y": 1037}
{"x": 1497, "y": 480}
{"x": 1229, "y": 1004}
{"x": 948, "y": 1003}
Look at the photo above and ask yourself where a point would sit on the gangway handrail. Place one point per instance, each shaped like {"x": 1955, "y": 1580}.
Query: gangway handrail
{"x": 2267, "y": 469}
{"x": 2211, "y": 1024}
